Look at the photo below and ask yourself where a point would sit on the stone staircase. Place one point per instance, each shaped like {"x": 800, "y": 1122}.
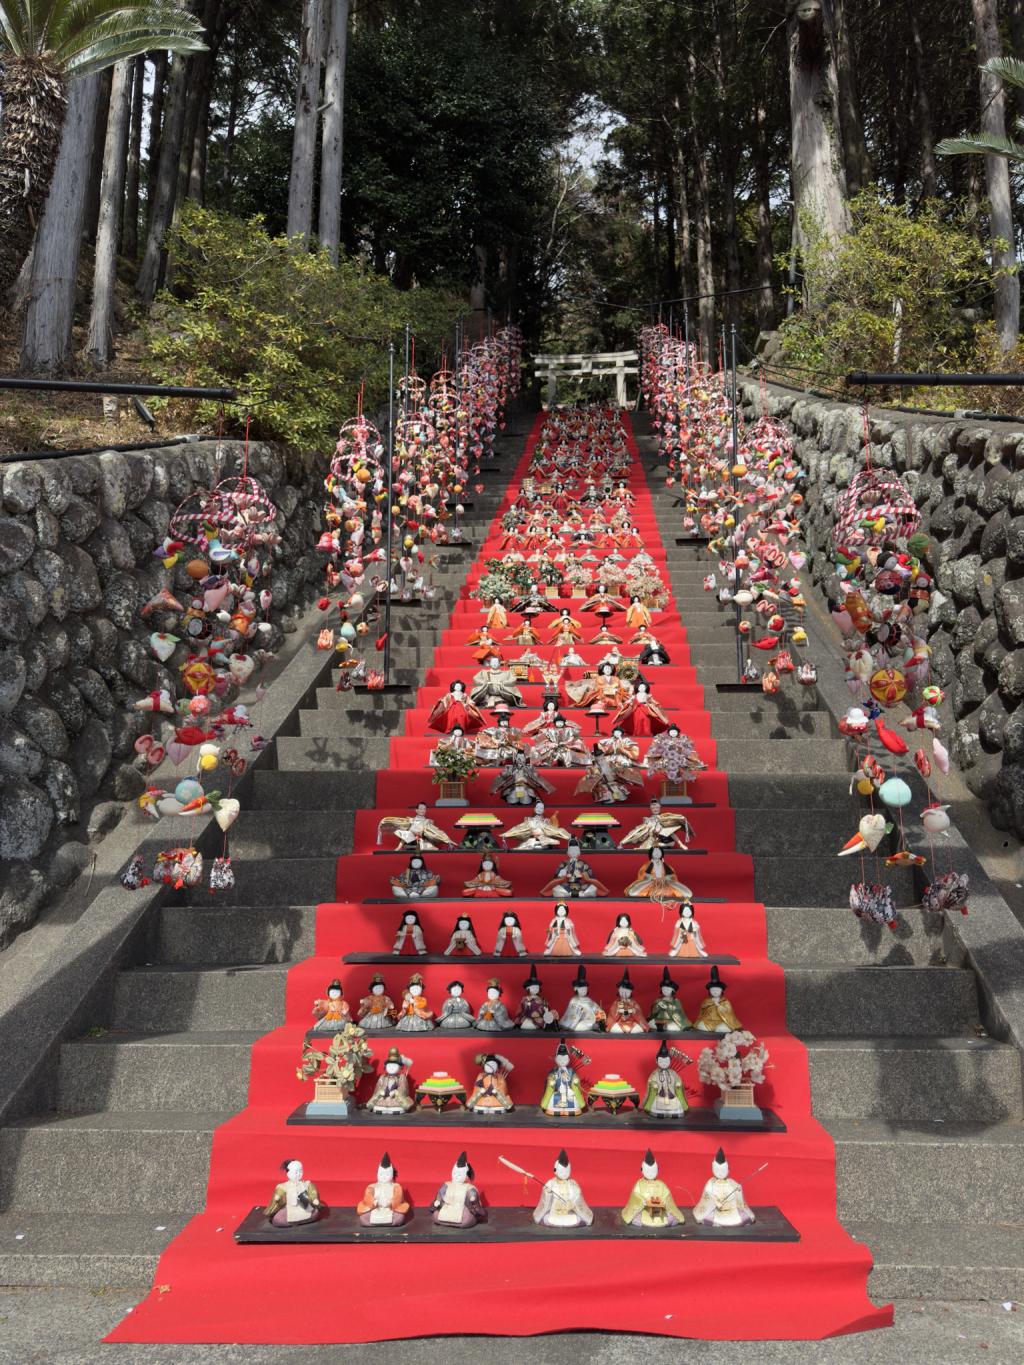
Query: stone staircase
{"x": 924, "y": 1108}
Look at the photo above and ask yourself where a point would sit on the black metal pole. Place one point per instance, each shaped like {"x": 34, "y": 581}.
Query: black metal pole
{"x": 408, "y": 351}
{"x": 137, "y": 390}
{"x": 737, "y": 577}
{"x": 862, "y": 378}
{"x": 686, "y": 352}
{"x": 391, "y": 510}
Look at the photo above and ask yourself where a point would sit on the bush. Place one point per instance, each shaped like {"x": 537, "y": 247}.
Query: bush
{"x": 890, "y": 295}
{"x": 294, "y": 334}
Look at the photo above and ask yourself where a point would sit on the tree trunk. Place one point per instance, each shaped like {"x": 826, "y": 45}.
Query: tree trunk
{"x": 34, "y": 99}
{"x": 331, "y": 155}
{"x": 685, "y": 230}
{"x": 234, "y": 103}
{"x": 705, "y": 264}
{"x": 165, "y": 190}
{"x": 855, "y": 152}
{"x": 46, "y": 340}
{"x": 130, "y": 229}
{"x": 819, "y": 179}
{"x": 101, "y": 315}
{"x": 92, "y": 199}
{"x": 997, "y": 176}
{"x": 765, "y": 254}
{"x": 156, "y": 128}
{"x": 300, "y": 183}
{"x": 925, "y": 130}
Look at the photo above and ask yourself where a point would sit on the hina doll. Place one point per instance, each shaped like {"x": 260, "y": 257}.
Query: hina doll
{"x": 637, "y": 615}
{"x": 624, "y": 941}
{"x": 490, "y": 1089}
{"x": 519, "y": 783}
{"x": 608, "y": 779}
{"x": 456, "y": 1011}
{"x": 659, "y": 829}
{"x": 495, "y": 686}
{"x": 654, "y": 655}
{"x": 674, "y": 754}
{"x": 492, "y": 1016}
{"x": 667, "y": 1014}
{"x": 563, "y": 1094}
{"x": 485, "y": 646}
{"x": 650, "y": 1203}
{"x": 534, "y": 1011}
{"x": 487, "y": 884}
{"x": 497, "y": 616}
{"x": 295, "y": 1201}
{"x": 453, "y": 710}
{"x": 624, "y": 1014}
{"x": 721, "y": 1204}
{"x": 414, "y": 1014}
{"x": 657, "y": 881}
{"x": 458, "y": 1203}
{"x": 526, "y": 634}
{"x": 605, "y": 636}
{"x": 641, "y": 715}
{"x": 566, "y": 630}
{"x": 499, "y": 743}
{"x": 537, "y": 831}
{"x": 549, "y": 713}
{"x": 716, "y": 1014}
{"x": 561, "y": 1203}
{"x": 574, "y": 878}
{"x": 560, "y": 745}
{"x": 391, "y": 1093}
{"x": 463, "y": 941}
{"x": 665, "y": 1096}
{"x": 417, "y": 831}
{"x": 383, "y": 1204}
{"x": 417, "y": 882}
{"x": 510, "y": 931}
{"x": 533, "y": 603}
{"x": 376, "y": 1010}
{"x": 605, "y": 689}
{"x": 687, "y": 939}
{"x": 561, "y": 940}
{"x": 457, "y": 742}
{"x": 331, "y": 1012}
{"x": 409, "y": 931}
{"x": 582, "y": 1014}
{"x": 571, "y": 659}
{"x": 602, "y": 603}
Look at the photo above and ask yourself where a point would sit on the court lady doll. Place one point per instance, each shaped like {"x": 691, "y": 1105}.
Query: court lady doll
{"x": 510, "y": 931}
{"x": 331, "y": 1012}
{"x": 463, "y": 942}
{"x": 561, "y": 939}
{"x": 414, "y": 1014}
{"x": 657, "y": 880}
{"x": 487, "y": 884}
{"x": 453, "y": 710}
{"x": 687, "y": 939}
{"x": 641, "y": 714}
{"x": 560, "y": 745}
{"x": 456, "y": 1011}
{"x": 410, "y": 931}
{"x": 624, "y": 941}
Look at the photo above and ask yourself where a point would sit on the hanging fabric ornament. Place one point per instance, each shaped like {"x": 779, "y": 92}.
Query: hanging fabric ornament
{"x": 178, "y": 867}
{"x": 873, "y": 902}
{"x": 227, "y": 812}
{"x": 134, "y": 875}
{"x": 941, "y": 756}
{"x": 948, "y": 892}
{"x": 222, "y": 878}
{"x": 895, "y": 792}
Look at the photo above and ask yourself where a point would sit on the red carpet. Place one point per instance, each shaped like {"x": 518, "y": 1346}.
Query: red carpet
{"x": 208, "y": 1289}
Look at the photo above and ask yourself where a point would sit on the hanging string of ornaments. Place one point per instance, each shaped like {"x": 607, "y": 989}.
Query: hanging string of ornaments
{"x": 746, "y": 502}
{"x": 445, "y": 428}
{"x": 212, "y": 630}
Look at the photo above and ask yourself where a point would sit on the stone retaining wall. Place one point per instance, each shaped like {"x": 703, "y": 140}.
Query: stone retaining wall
{"x": 968, "y": 481}
{"x": 77, "y": 541}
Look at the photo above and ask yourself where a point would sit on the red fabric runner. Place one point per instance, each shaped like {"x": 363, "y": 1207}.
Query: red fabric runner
{"x": 208, "y": 1289}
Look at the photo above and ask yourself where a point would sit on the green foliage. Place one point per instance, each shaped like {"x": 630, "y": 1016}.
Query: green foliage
{"x": 453, "y": 765}
{"x": 295, "y": 335}
{"x": 1011, "y": 72}
{"x": 887, "y": 296}
{"x": 77, "y": 37}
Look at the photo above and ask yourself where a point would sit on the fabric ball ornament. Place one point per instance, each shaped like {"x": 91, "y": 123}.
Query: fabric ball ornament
{"x": 888, "y": 686}
{"x": 933, "y": 695}
{"x": 895, "y": 792}
{"x": 188, "y": 789}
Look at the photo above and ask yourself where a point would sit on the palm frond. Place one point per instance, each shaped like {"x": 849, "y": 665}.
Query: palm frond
{"x": 981, "y": 144}
{"x": 1009, "y": 69}
{"x": 16, "y": 25}
{"x": 81, "y": 36}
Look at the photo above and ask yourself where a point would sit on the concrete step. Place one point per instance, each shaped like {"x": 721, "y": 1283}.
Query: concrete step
{"x": 786, "y": 790}
{"x": 765, "y": 725}
{"x": 936, "y": 1080}
{"x": 821, "y": 1001}
{"x": 954, "y": 1261}
{"x": 325, "y": 753}
{"x": 823, "y": 879}
{"x": 105, "y": 1251}
{"x": 170, "y": 1072}
{"x": 802, "y": 935}
{"x": 784, "y": 704}
{"x": 284, "y": 881}
{"x": 292, "y": 834}
{"x": 226, "y": 935}
{"x": 340, "y": 721}
{"x": 352, "y": 789}
{"x": 158, "y": 1163}
{"x": 797, "y": 757}
{"x": 930, "y": 1172}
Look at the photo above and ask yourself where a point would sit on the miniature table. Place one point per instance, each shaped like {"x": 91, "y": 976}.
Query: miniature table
{"x": 439, "y": 1098}
{"x": 614, "y": 1101}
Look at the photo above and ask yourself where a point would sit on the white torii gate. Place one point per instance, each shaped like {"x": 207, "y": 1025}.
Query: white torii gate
{"x": 597, "y": 365}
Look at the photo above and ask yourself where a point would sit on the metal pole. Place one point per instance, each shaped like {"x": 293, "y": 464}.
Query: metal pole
{"x": 391, "y": 516}
{"x": 735, "y": 482}
{"x": 686, "y": 352}
{"x": 408, "y": 353}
